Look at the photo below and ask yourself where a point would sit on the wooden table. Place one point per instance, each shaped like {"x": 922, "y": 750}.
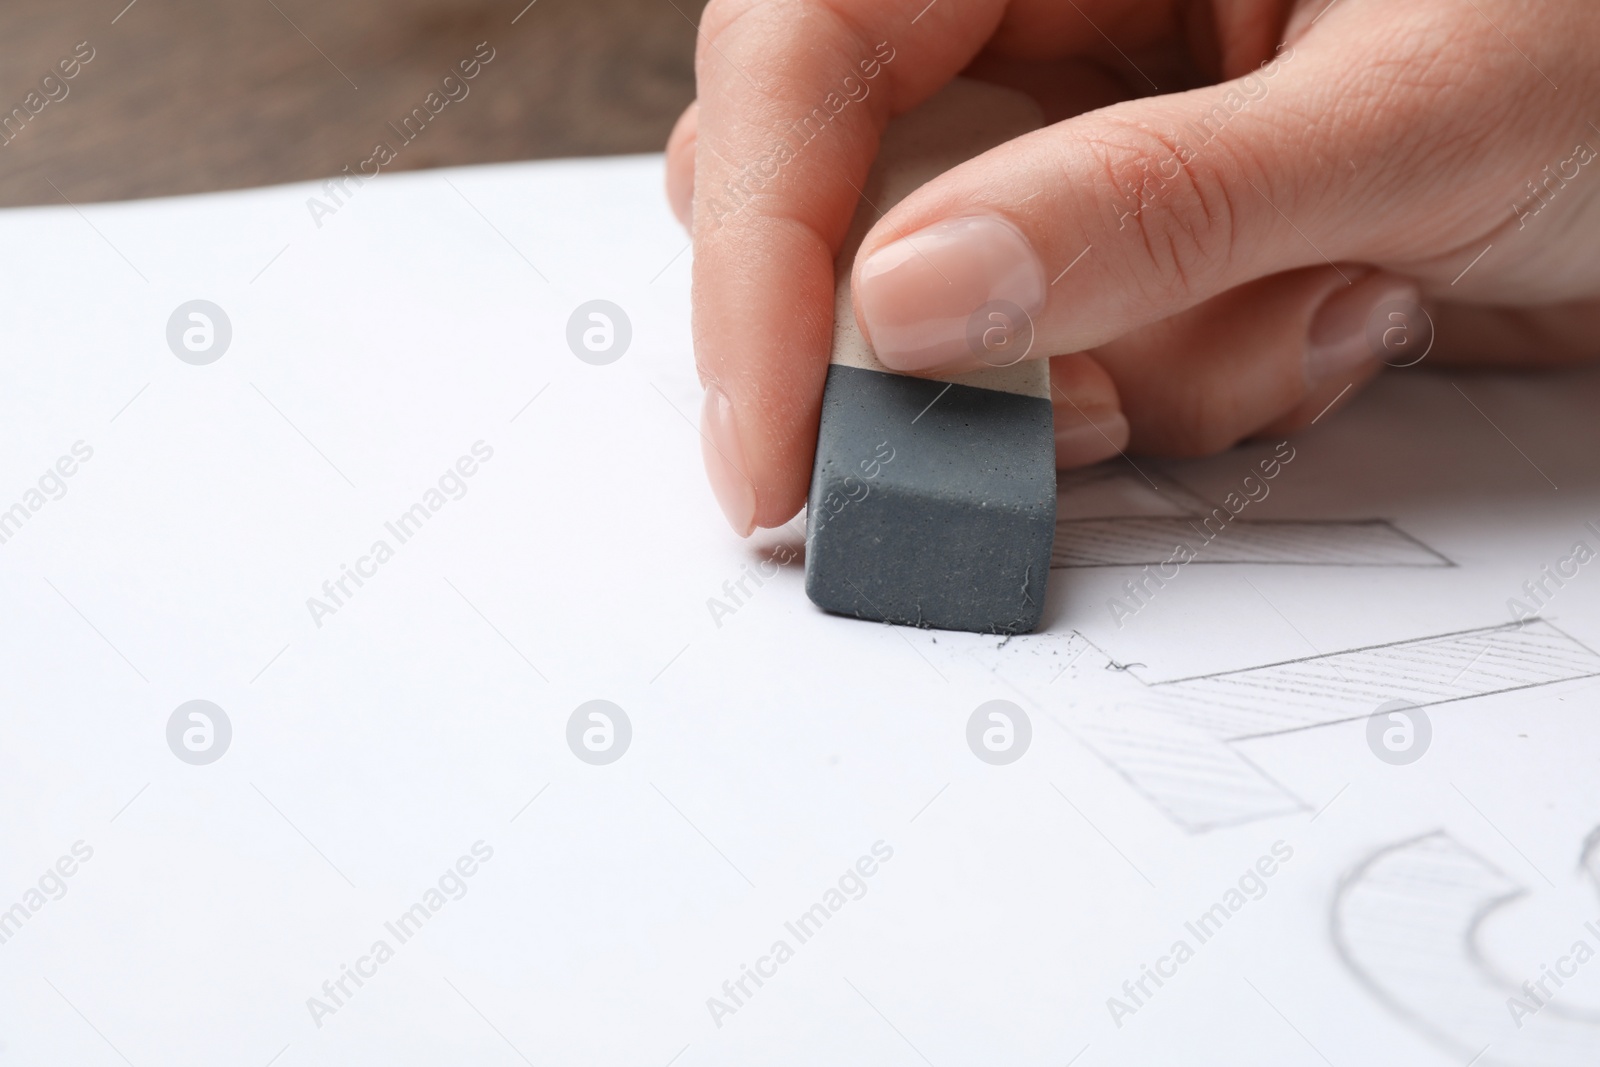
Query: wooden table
{"x": 183, "y": 96}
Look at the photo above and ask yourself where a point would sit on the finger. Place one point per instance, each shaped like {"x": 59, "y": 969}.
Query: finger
{"x": 1403, "y": 335}
{"x": 1090, "y": 425}
{"x": 792, "y": 97}
{"x": 680, "y": 164}
{"x": 1132, "y": 214}
{"x": 1061, "y": 88}
{"x": 1217, "y": 373}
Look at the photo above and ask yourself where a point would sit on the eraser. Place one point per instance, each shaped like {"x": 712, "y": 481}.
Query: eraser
{"x": 933, "y": 499}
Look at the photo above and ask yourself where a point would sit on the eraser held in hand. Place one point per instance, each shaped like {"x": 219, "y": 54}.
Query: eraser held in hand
{"x": 933, "y": 499}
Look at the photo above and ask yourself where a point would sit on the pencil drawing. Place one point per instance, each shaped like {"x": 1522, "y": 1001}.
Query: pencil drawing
{"x": 1147, "y": 516}
{"x": 1176, "y": 741}
{"x": 1408, "y": 923}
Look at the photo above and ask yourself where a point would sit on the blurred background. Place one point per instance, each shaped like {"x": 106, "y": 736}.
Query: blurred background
{"x": 186, "y": 96}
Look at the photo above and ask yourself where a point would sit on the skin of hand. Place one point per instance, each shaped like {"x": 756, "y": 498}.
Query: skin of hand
{"x": 1212, "y": 238}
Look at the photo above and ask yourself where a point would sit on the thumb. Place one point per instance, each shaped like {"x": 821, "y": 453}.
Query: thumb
{"x": 1125, "y": 216}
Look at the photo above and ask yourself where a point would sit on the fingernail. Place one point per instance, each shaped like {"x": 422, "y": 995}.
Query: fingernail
{"x": 1099, "y": 436}
{"x": 1341, "y": 340}
{"x": 724, "y": 458}
{"x": 919, "y": 293}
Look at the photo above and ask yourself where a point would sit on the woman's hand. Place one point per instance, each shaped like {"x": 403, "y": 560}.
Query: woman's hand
{"x": 1240, "y": 232}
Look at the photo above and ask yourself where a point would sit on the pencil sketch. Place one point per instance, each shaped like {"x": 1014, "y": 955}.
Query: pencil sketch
{"x": 1408, "y": 923}
{"x": 1176, "y": 741}
{"x": 1111, "y": 517}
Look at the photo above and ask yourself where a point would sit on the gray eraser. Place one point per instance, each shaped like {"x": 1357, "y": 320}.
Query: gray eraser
{"x": 932, "y": 504}
{"x": 933, "y": 500}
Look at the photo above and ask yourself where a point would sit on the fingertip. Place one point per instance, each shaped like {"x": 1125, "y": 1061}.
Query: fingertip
{"x": 763, "y": 290}
{"x": 918, "y": 295}
{"x": 727, "y": 468}
{"x": 1352, "y": 328}
{"x": 1084, "y": 443}
{"x": 1089, "y": 423}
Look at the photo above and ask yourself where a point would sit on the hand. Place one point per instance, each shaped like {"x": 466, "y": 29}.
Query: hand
{"x": 1225, "y": 258}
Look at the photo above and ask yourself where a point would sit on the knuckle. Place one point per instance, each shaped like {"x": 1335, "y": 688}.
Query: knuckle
{"x": 743, "y": 41}
{"x": 777, "y": 38}
{"x": 720, "y": 18}
{"x": 1172, "y": 205}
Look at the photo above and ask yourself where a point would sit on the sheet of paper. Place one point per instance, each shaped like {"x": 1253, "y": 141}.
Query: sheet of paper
{"x": 373, "y": 511}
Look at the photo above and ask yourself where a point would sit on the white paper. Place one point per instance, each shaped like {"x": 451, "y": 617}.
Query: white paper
{"x": 1176, "y": 743}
